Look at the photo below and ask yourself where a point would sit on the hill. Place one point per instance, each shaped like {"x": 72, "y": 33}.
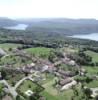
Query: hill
{"x": 61, "y": 25}
{"x": 4, "y": 22}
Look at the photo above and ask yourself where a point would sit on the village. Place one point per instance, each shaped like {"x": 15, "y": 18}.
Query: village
{"x": 35, "y": 75}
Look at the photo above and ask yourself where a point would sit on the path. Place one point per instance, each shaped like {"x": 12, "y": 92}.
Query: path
{"x": 11, "y": 89}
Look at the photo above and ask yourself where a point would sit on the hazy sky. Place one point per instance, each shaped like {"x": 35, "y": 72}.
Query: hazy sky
{"x": 49, "y": 8}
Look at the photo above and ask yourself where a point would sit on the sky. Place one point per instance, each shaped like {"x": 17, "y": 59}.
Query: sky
{"x": 49, "y": 8}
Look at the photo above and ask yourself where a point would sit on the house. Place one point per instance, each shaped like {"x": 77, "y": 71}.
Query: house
{"x": 66, "y": 73}
{"x": 29, "y": 93}
{"x": 72, "y": 63}
{"x": 32, "y": 65}
{"x": 27, "y": 69}
{"x": 69, "y": 85}
{"x": 45, "y": 68}
{"x": 7, "y": 97}
{"x": 65, "y": 81}
{"x": 82, "y": 71}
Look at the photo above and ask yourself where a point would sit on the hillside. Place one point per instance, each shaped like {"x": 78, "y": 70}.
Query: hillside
{"x": 55, "y": 26}
{"x": 61, "y": 25}
{"x": 4, "y": 22}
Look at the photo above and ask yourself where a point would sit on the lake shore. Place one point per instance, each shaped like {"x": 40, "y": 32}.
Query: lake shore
{"x": 91, "y": 36}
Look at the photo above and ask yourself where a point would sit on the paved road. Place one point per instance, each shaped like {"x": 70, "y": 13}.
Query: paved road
{"x": 11, "y": 89}
{"x": 19, "y": 82}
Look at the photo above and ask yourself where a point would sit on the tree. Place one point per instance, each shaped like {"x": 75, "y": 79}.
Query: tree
{"x": 10, "y": 49}
{"x": 88, "y": 79}
{"x": 3, "y": 74}
{"x": 82, "y": 86}
{"x": 1, "y": 91}
{"x": 32, "y": 97}
{"x": 18, "y": 97}
{"x": 51, "y": 56}
{"x": 29, "y": 86}
{"x": 13, "y": 83}
{"x": 75, "y": 91}
{"x": 87, "y": 92}
{"x": 72, "y": 98}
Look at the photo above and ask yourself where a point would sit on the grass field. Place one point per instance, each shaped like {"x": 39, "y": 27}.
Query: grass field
{"x": 52, "y": 93}
{"x": 60, "y": 96}
{"x": 29, "y": 85}
{"x": 91, "y": 70}
{"x": 94, "y": 55}
{"x": 39, "y": 51}
{"x": 93, "y": 84}
{"x": 70, "y": 50}
{"x": 6, "y": 46}
{"x": 1, "y": 86}
{"x": 16, "y": 61}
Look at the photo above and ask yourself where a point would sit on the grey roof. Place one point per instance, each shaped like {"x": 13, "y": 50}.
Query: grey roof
{"x": 65, "y": 81}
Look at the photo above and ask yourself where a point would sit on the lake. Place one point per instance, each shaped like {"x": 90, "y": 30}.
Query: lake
{"x": 18, "y": 27}
{"x": 92, "y": 36}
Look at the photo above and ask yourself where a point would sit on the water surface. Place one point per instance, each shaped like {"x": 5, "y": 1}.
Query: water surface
{"x": 18, "y": 27}
{"x": 92, "y": 36}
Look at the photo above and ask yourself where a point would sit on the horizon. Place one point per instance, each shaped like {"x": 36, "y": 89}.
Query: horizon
{"x": 24, "y": 18}
{"x": 72, "y": 9}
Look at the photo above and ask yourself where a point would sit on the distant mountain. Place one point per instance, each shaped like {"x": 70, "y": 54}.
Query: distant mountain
{"x": 55, "y": 26}
{"x": 57, "y": 20}
{"x": 4, "y": 22}
{"x": 61, "y": 25}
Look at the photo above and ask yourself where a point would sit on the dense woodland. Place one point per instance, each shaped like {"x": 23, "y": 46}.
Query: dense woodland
{"x": 30, "y": 38}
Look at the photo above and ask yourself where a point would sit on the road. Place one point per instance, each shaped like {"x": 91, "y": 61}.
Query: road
{"x": 11, "y": 89}
{"x": 23, "y": 79}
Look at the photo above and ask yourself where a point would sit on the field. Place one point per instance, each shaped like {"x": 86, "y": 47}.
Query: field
{"x": 53, "y": 93}
{"x": 59, "y": 96}
{"x": 70, "y": 50}
{"x": 15, "y": 61}
{"x": 1, "y": 86}
{"x": 29, "y": 85}
{"x": 91, "y": 70}
{"x": 94, "y": 55}
{"x": 93, "y": 84}
{"x": 6, "y": 46}
{"x": 39, "y": 51}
